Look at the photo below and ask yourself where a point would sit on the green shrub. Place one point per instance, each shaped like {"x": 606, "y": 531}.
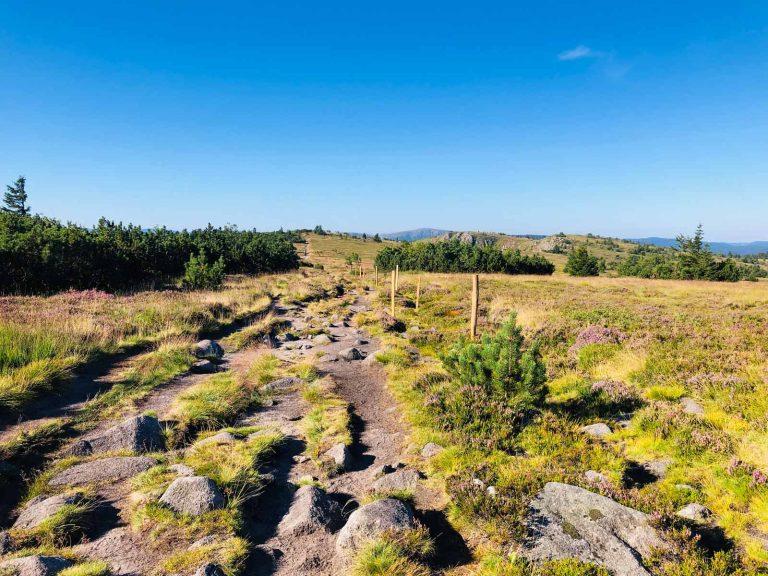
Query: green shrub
{"x": 582, "y": 263}
{"x": 199, "y": 274}
{"x": 495, "y": 384}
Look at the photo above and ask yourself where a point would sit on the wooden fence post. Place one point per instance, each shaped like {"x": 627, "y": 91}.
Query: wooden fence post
{"x": 397, "y": 276}
{"x": 392, "y": 291}
{"x": 418, "y": 290}
{"x": 376, "y": 276}
{"x": 475, "y": 300}
{"x": 361, "y": 268}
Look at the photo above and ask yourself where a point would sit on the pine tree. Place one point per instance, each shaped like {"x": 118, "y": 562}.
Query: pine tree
{"x": 16, "y": 197}
{"x": 582, "y": 263}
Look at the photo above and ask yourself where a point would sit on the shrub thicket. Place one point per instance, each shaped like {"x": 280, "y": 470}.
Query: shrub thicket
{"x": 199, "y": 274}
{"x": 454, "y": 256}
{"x": 39, "y": 254}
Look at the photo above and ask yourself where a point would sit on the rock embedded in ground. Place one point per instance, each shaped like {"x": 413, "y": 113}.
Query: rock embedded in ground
{"x": 80, "y": 448}
{"x": 350, "y": 354}
{"x": 34, "y": 566}
{"x": 565, "y": 521}
{"x": 41, "y": 508}
{"x": 105, "y": 469}
{"x": 323, "y": 339}
{"x": 340, "y": 456}
{"x": 209, "y": 570}
{"x": 310, "y": 511}
{"x": 690, "y": 406}
{"x": 222, "y": 437}
{"x": 695, "y": 512}
{"x": 371, "y": 521}
{"x": 208, "y": 350}
{"x": 657, "y": 468}
{"x": 598, "y": 430}
{"x": 404, "y": 479}
{"x": 137, "y": 434}
{"x": 431, "y": 449}
{"x": 595, "y": 477}
{"x": 205, "y": 367}
{"x": 193, "y": 495}
{"x": 282, "y": 384}
{"x": 182, "y": 470}
{"x": 390, "y": 323}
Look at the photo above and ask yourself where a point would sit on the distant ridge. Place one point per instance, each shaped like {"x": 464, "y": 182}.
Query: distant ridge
{"x": 738, "y": 248}
{"x": 413, "y": 235}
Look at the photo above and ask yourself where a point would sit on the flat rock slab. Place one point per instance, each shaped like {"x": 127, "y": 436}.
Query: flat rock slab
{"x": 311, "y": 510}
{"x": 370, "y": 521}
{"x": 105, "y": 469}
{"x": 35, "y": 566}
{"x": 598, "y": 430}
{"x": 40, "y": 508}
{"x": 404, "y": 479}
{"x": 122, "y": 550}
{"x": 566, "y": 521}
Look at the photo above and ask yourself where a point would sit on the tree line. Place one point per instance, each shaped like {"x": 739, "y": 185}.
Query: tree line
{"x": 455, "y": 256}
{"x": 40, "y": 254}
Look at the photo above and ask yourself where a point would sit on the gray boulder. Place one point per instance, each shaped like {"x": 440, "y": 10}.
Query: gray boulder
{"x": 137, "y": 434}
{"x": 311, "y": 510}
{"x": 696, "y": 513}
{"x": 40, "y": 508}
{"x": 566, "y": 521}
{"x": 193, "y": 495}
{"x": 106, "y": 469}
{"x": 594, "y": 477}
{"x": 690, "y": 406}
{"x": 340, "y": 456}
{"x": 205, "y": 367}
{"x": 34, "y": 566}
{"x": 402, "y": 479}
{"x": 323, "y": 339}
{"x": 657, "y": 468}
{"x": 431, "y": 449}
{"x": 598, "y": 430}
{"x": 282, "y": 384}
{"x": 182, "y": 470}
{"x": 208, "y": 350}
{"x": 350, "y": 354}
{"x": 370, "y": 521}
{"x": 80, "y": 448}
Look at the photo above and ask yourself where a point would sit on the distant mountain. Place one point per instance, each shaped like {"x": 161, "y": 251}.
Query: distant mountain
{"x": 413, "y": 235}
{"x": 739, "y": 248}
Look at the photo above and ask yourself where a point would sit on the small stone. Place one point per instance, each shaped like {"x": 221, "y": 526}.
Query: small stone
{"x": 301, "y": 458}
{"x": 204, "y": 367}
{"x": 209, "y": 570}
{"x": 323, "y": 339}
{"x": 657, "y": 468}
{"x": 350, "y": 354}
{"x": 431, "y": 449}
{"x": 690, "y": 406}
{"x": 222, "y": 437}
{"x": 491, "y": 491}
{"x": 282, "y": 384}
{"x": 204, "y": 541}
{"x": 403, "y": 479}
{"x": 594, "y": 477}
{"x": 182, "y": 470}
{"x": 599, "y": 430}
{"x": 208, "y": 350}
{"x": 340, "y": 455}
{"x": 193, "y": 495}
{"x": 695, "y": 512}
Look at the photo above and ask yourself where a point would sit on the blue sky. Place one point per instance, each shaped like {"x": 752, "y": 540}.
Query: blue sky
{"x": 618, "y": 118}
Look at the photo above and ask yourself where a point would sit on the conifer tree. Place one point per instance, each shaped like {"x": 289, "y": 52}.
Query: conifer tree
{"x": 15, "y": 199}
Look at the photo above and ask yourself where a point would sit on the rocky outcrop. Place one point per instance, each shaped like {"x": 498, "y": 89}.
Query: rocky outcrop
{"x": 566, "y": 521}
{"x": 106, "y": 469}
{"x": 208, "y": 350}
{"x": 311, "y": 510}
{"x": 137, "y": 434}
{"x": 193, "y": 495}
{"x": 41, "y": 508}
{"x": 372, "y": 520}
{"x": 34, "y": 566}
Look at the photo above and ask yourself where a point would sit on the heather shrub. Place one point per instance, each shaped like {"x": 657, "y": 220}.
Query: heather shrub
{"x": 595, "y": 334}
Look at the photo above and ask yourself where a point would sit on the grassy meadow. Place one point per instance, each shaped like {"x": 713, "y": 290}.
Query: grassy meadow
{"x": 619, "y": 351}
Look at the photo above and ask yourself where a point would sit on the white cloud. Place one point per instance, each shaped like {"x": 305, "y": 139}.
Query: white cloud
{"x": 578, "y": 53}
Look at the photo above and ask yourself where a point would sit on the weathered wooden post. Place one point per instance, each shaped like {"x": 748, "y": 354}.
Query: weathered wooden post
{"x": 361, "y": 268}
{"x": 475, "y": 300}
{"x": 392, "y": 291}
{"x": 397, "y": 276}
{"x": 418, "y": 290}
{"x": 376, "y": 276}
